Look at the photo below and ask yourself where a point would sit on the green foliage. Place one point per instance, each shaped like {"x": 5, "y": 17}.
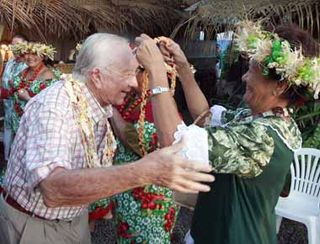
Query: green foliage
{"x": 308, "y": 118}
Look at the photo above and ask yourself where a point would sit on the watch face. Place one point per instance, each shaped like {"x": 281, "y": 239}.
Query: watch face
{"x": 158, "y": 90}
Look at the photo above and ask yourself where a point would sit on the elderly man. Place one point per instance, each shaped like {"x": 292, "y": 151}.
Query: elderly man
{"x": 63, "y": 147}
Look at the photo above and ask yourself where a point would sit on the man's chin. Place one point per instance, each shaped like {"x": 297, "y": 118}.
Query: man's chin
{"x": 119, "y": 102}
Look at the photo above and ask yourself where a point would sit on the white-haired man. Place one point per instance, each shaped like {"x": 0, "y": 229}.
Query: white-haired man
{"x": 64, "y": 145}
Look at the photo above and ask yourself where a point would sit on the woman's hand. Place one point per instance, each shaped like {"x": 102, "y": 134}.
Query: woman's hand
{"x": 148, "y": 53}
{"x": 23, "y": 95}
{"x": 172, "y": 52}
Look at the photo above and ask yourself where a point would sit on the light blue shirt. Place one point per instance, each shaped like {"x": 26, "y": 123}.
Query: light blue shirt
{"x": 13, "y": 68}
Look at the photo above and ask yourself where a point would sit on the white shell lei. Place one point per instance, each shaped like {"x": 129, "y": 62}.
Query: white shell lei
{"x": 86, "y": 125}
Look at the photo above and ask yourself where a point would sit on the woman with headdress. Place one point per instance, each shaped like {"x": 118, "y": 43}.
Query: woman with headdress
{"x": 250, "y": 149}
{"x": 35, "y": 78}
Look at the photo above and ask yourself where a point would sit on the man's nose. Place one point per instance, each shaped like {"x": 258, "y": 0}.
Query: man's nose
{"x": 133, "y": 82}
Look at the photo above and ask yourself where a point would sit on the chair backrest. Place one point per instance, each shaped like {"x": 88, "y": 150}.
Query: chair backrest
{"x": 305, "y": 172}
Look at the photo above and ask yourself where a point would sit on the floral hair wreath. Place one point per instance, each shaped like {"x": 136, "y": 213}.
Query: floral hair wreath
{"x": 41, "y": 49}
{"x": 272, "y": 52}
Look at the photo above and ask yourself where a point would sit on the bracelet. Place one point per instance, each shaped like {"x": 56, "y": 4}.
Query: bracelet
{"x": 159, "y": 89}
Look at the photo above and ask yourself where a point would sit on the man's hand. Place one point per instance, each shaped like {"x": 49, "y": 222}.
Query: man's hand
{"x": 166, "y": 168}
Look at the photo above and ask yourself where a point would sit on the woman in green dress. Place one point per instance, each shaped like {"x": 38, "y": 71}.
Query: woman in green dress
{"x": 251, "y": 149}
{"x": 31, "y": 81}
{"x": 145, "y": 214}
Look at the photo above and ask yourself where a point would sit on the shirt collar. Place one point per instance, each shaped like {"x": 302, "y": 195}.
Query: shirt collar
{"x": 97, "y": 112}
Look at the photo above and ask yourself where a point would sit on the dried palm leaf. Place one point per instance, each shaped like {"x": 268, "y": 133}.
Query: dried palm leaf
{"x": 220, "y": 15}
{"x": 78, "y": 18}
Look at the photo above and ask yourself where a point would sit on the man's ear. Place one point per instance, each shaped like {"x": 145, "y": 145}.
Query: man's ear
{"x": 96, "y": 78}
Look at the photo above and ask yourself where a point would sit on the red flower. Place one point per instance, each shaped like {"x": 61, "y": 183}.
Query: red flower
{"x": 31, "y": 94}
{"x": 42, "y": 86}
{"x": 100, "y": 212}
{"x": 123, "y": 229}
{"x": 4, "y": 93}
{"x": 18, "y": 109}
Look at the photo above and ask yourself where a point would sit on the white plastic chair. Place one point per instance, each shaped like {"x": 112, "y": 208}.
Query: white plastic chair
{"x": 303, "y": 202}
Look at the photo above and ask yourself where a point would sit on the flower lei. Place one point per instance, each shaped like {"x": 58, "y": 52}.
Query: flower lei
{"x": 25, "y": 84}
{"x": 272, "y": 52}
{"x": 130, "y": 104}
{"x": 40, "y": 49}
{"x": 86, "y": 125}
{"x": 172, "y": 74}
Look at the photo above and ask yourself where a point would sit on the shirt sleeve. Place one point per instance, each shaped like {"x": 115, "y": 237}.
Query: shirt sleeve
{"x": 243, "y": 149}
{"x": 49, "y": 144}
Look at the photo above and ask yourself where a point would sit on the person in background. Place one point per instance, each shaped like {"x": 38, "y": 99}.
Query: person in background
{"x": 12, "y": 68}
{"x": 36, "y": 77}
{"x": 218, "y": 61}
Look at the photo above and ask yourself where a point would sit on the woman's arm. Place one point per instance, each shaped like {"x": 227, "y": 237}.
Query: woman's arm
{"x": 165, "y": 113}
{"x": 148, "y": 54}
{"x": 196, "y": 101}
{"x": 118, "y": 125}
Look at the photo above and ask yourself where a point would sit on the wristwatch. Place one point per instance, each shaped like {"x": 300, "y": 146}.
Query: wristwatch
{"x": 159, "y": 89}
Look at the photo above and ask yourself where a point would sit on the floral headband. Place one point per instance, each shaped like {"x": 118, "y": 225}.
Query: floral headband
{"x": 41, "y": 49}
{"x": 275, "y": 53}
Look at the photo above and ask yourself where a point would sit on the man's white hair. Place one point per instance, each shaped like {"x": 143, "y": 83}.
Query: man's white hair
{"x": 102, "y": 51}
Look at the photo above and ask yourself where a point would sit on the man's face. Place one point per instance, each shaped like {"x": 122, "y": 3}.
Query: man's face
{"x": 118, "y": 81}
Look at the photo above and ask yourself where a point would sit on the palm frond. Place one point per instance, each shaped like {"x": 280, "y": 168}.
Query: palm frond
{"x": 78, "y": 18}
{"x": 220, "y": 15}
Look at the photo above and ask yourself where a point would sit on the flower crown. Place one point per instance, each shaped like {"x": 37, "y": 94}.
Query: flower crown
{"x": 41, "y": 49}
{"x": 276, "y": 54}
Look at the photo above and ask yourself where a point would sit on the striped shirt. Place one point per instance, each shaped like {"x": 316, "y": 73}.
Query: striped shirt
{"x": 49, "y": 137}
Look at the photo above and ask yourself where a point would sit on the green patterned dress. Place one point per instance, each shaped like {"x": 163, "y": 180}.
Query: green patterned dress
{"x": 33, "y": 89}
{"x": 145, "y": 214}
{"x": 251, "y": 156}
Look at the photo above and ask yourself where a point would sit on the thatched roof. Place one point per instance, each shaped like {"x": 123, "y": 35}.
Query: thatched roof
{"x": 77, "y": 18}
{"x": 219, "y": 15}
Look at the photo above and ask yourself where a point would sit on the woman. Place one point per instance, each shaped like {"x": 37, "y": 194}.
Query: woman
{"x": 36, "y": 77}
{"x": 249, "y": 149}
{"x": 13, "y": 67}
{"x": 144, "y": 214}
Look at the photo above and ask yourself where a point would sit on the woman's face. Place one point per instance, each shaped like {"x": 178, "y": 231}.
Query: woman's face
{"x": 32, "y": 60}
{"x": 259, "y": 89}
